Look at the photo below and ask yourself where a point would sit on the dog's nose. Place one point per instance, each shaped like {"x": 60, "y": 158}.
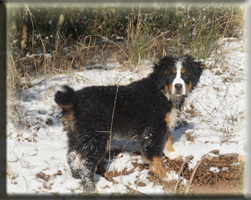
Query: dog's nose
{"x": 178, "y": 86}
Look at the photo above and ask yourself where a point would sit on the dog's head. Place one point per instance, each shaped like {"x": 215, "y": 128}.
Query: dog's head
{"x": 178, "y": 75}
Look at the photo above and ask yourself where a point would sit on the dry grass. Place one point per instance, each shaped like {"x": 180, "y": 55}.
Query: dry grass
{"x": 145, "y": 39}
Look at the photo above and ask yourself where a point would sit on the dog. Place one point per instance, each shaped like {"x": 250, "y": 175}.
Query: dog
{"x": 145, "y": 110}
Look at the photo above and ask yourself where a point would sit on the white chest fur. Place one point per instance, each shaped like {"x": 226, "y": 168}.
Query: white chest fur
{"x": 173, "y": 118}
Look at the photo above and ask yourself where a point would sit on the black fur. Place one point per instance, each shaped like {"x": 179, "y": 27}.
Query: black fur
{"x": 140, "y": 111}
{"x": 65, "y": 97}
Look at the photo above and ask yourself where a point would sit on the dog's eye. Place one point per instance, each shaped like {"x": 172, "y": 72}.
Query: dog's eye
{"x": 172, "y": 75}
{"x": 186, "y": 74}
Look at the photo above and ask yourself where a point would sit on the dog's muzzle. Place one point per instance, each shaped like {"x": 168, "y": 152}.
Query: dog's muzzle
{"x": 178, "y": 88}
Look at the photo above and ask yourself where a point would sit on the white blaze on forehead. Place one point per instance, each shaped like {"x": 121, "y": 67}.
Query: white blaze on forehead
{"x": 178, "y": 79}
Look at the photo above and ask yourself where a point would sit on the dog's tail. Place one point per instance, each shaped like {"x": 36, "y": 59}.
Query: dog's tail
{"x": 64, "y": 97}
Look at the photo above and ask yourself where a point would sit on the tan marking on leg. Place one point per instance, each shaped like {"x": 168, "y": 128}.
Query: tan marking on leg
{"x": 168, "y": 144}
{"x": 78, "y": 160}
{"x": 167, "y": 119}
{"x": 157, "y": 168}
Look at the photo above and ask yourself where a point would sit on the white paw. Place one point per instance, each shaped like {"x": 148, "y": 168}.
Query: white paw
{"x": 166, "y": 152}
{"x": 171, "y": 155}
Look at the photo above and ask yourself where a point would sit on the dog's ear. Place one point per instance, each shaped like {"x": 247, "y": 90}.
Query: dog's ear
{"x": 196, "y": 68}
{"x": 160, "y": 69}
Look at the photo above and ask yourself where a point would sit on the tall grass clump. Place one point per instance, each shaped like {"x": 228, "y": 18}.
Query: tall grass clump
{"x": 92, "y": 36}
{"x": 182, "y": 29}
{"x": 200, "y": 28}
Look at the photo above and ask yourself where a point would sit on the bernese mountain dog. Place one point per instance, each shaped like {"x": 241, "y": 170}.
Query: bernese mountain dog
{"x": 145, "y": 110}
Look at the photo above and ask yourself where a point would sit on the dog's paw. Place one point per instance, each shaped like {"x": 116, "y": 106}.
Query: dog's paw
{"x": 172, "y": 155}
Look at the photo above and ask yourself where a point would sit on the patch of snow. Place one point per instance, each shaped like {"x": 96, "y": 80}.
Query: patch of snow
{"x": 214, "y": 169}
{"x": 224, "y": 169}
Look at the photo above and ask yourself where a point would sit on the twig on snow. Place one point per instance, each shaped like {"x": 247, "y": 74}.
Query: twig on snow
{"x": 181, "y": 169}
{"x": 129, "y": 188}
{"x": 113, "y": 112}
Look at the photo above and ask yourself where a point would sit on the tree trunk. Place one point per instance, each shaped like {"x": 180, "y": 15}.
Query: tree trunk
{"x": 14, "y": 22}
{"x": 25, "y": 27}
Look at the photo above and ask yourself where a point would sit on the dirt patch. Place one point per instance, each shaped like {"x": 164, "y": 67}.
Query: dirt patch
{"x": 223, "y": 174}
{"x": 109, "y": 175}
{"x": 220, "y": 187}
{"x": 47, "y": 177}
{"x": 43, "y": 176}
{"x": 140, "y": 183}
{"x": 217, "y": 174}
{"x": 223, "y": 167}
{"x": 59, "y": 173}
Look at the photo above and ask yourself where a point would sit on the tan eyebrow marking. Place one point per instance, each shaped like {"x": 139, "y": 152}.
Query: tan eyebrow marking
{"x": 183, "y": 71}
{"x": 174, "y": 71}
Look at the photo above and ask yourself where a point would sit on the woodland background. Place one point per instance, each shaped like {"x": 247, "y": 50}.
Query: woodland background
{"x": 58, "y": 37}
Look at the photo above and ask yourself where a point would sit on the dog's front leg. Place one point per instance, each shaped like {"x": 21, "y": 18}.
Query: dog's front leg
{"x": 168, "y": 148}
{"x": 151, "y": 149}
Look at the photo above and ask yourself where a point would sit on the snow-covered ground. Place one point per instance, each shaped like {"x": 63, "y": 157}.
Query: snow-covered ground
{"x": 37, "y": 144}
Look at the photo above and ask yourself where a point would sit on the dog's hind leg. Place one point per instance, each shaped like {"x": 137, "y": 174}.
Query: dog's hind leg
{"x": 73, "y": 156}
{"x": 74, "y": 161}
{"x": 92, "y": 152}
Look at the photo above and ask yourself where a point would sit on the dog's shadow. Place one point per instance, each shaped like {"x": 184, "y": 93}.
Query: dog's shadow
{"x": 176, "y": 135}
{"x": 120, "y": 146}
{"x": 180, "y": 130}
